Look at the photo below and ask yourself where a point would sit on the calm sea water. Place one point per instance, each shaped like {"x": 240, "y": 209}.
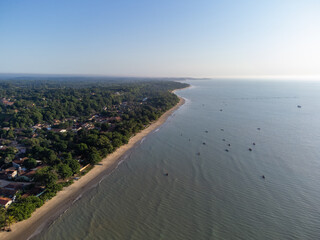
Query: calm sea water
{"x": 217, "y": 194}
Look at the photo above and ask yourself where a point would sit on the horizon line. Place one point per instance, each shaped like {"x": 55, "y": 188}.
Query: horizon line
{"x": 263, "y": 76}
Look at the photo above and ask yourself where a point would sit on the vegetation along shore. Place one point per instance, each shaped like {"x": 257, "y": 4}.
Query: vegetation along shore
{"x": 54, "y": 132}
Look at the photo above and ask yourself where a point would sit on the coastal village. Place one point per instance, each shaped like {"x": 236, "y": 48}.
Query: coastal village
{"x": 51, "y": 135}
{"x": 16, "y": 178}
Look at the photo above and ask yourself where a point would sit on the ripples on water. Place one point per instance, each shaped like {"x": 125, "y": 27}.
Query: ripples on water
{"x": 217, "y": 194}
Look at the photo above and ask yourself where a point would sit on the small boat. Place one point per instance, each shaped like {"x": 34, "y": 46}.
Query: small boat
{"x": 263, "y": 177}
{"x": 204, "y": 143}
{"x": 250, "y": 149}
{"x": 223, "y": 140}
{"x": 222, "y": 129}
{"x": 229, "y": 144}
{"x": 226, "y": 150}
{"x": 166, "y": 174}
{"x": 258, "y": 128}
{"x": 253, "y": 144}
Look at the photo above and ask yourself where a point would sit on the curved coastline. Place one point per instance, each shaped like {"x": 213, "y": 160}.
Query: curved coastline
{"x": 44, "y": 216}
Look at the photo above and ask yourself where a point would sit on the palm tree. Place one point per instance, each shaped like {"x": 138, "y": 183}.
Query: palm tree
{"x": 10, "y": 220}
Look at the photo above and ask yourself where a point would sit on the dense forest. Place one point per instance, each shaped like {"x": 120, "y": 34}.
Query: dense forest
{"x": 52, "y": 129}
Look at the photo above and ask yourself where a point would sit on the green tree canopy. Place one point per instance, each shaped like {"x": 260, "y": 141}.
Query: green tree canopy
{"x": 64, "y": 171}
{"x": 46, "y": 176}
{"x": 30, "y": 163}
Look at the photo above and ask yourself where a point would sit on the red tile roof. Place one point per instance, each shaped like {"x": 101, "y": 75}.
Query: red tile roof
{"x": 4, "y": 201}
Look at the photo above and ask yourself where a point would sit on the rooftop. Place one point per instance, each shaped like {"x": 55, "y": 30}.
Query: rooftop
{"x": 4, "y": 201}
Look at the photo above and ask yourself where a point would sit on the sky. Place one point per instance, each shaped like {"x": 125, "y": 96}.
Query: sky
{"x": 161, "y": 38}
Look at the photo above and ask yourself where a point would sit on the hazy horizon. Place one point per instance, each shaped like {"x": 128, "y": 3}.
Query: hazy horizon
{"x": 199, "y": 39}
{"x": 248, "y": 77}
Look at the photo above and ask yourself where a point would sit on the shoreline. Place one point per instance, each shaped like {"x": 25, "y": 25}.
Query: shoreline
{"x": 44, "y": 216}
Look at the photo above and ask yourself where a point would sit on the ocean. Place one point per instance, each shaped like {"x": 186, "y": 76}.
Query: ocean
{"x": 215, "y": 187}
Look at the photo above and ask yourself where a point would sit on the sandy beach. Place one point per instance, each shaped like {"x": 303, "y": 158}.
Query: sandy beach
{"x": 52, "y": 209}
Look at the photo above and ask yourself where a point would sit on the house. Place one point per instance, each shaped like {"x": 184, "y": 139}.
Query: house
{"x": 37, "y": 126}
{"x": 90, "y": 119}
{"x": 9, "y": 173}
{"x": 12, "y": 174}
{"x": 11, "y": 190}
{"x": 33, "y": 171}
{"x": 15, "y": 163}
{"x": 88, "y": 126}
{"x": 6, "y": 102}
{"x": 57, "y": 130}
{"x": 29, "y": 175}
{"x": 18, "y": 162}
{"x": 5, "y": 202}
{"x": 112, "y": 119}
{"x": 76, "y": 129}
{"x": 56, "y": 122}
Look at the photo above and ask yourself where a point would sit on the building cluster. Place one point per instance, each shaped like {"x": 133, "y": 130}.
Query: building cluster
{"x": 76, "y": 126}
{"x": 14, "y": 180}
{"x": 7, "y": 102}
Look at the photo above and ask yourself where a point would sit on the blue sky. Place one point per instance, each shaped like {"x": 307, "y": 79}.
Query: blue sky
{"x": 169, "y": 38}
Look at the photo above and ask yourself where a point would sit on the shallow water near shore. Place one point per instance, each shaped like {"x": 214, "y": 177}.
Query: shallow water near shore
{"x": 210, "y": 193}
